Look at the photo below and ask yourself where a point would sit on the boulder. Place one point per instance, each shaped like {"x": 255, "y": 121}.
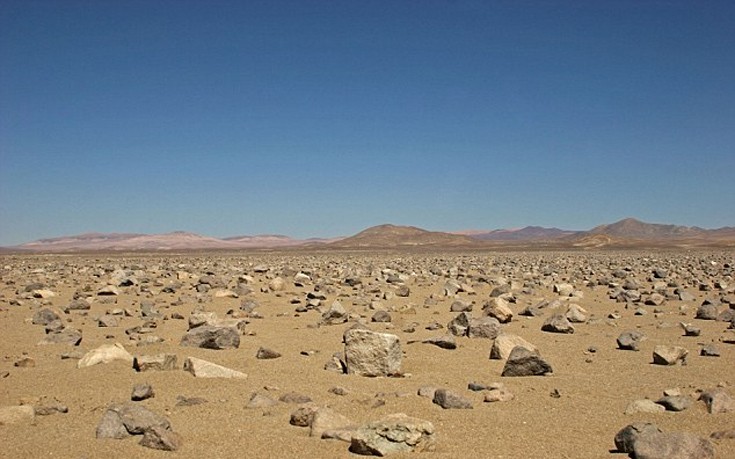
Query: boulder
{"x": 484, "y": 327}
{"x": 369, "y": 353}
{"x": 557, "y": 323}
{"x": 718, "y": 401}
{"x": 499, "y": 309}
{"x": 675, "y": 445}
{"x": 630, "y": 340}
{"x": 450, "y": 400}
{"x": 625, "y": 438}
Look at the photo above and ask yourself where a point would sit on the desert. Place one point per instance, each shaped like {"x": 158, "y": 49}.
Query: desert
{"x": 308, "y": 350}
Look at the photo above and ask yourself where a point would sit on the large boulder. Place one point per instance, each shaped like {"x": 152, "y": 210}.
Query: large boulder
{"x": 395, "y": 433}
{"x": 369, "y": 353}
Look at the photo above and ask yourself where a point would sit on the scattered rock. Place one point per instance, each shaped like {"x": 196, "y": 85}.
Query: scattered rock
{"x": 142, "y": 392}
{"x": 212, "y": 337}
{"x": 625, "y": 438}
{"x": 669, "y": 355}
{"x": 450, "y": 400}
{"x": 718, "y": 401}
{"x": 264, "y": 353}
{"x": 505, "y": 343}
{"x": 158, "y": 362}
{"x": 557, "y": 323}
{"x": 630, "y": 340}
{"x": 369, "y": 353}
{"x": 105, "y": 354}
{"x": 524, "y": 362}
{"x": 203, "y": 369}
{"x": 644, "y": 406}
{"x": 660, "y": 445}
{"x": 395, "y": 433}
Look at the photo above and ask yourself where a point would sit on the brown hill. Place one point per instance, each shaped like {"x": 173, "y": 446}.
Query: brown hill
{"x": 529, "y": 233}
{"x": 393, "y": 236}
{"x": 632, "y": 228}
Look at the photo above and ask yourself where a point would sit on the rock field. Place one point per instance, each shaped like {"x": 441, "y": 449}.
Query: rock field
{"x": 341, "y": 354}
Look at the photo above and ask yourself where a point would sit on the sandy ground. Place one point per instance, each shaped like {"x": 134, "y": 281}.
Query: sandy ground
{"x": 595, "y": 388}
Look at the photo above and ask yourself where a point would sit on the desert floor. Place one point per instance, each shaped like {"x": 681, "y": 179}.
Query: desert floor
{"x": 594, "y": 388}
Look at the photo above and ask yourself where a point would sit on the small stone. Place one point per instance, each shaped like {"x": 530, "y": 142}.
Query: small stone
{"x": 644, "y": 406}
{"x": 625, "y": 438}
{"x": 669, "y": 355}
{"x": 630, "y": 340}
{"x": 202, "y": 369}
{"x": 142, "y": 392}
{"x": 395, "y": 433}
{"x": 499, "y": 395}
{"x": 264, "y": 353}
{"x": 718, "y": 401}
{"x": 444, "y": 342}
{"x": 675, "y": 402}
{"x": 523, "y": 362}
{"x": 162, "y": 439}
{"x": 450, "y": 400}
{"x": 557, "y": 323}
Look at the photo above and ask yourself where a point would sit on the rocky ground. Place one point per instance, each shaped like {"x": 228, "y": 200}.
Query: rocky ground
{"x": 264, "y": 355}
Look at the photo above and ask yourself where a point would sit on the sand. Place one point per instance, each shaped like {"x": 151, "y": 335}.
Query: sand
{"x": 594, "y": 387}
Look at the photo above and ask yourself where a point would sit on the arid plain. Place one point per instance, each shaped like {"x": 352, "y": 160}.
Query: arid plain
{"x": 285, "y": 302}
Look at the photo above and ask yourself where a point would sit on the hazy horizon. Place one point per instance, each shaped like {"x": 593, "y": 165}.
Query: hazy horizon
{"x": 321, "y": 119}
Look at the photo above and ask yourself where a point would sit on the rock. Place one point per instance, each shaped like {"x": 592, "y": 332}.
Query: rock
{"x": 142, "y": 392}
{"x": 203, "y": 369}
{"x": 16, "y": 414}
{"x": 675, "y": 402}
{"x": 158, "y": 362}
{"x": 427, "y": 391}
{"x": 108, "y": 290}
{"x": 576, "y": 314}
{"x": 45, "y": 316}
{"x": 368, "y": 353}
{"x": 79, "y": 304}
{"x": 260, "y": 401}
{"x": 294, "y": 397}
{"x": 324, "y": 419}
{"x": 484, "y": 327}
{"x": 264, "y": 353}
{"x": 499, "y": 309}
{"x": 707, "y": 312}
{"x": 381, "y": 317}
{"x": 395, "y": 433}
{"x": 669, "y": 355}
{"x": 336, "y": 314}
{"x": 460, "y": 306}
{"x": 450, "y": 400}
{"x": 644, "y": 406}
{"x": 107, "y": 320}
{"x": 557, "y": 323}
{"x": 662, "y": 445}
{"x": 498, "y": 395}
{"x": 505, "y": 343}
{"x": 718, "y": 401}
{"x": 655, "y": 299}
{"x": 212, "y": 337}
{"x": 459, "y": 326}
{"x": 709, "y": 350}
{"x": 523, "y": 362}
{"x": 69, "y": 336}
{"x": 690, "y": 330}
{"x": 303, "y": 415}
{"x": 444, "y": 342}
{"x": 630, "y": 340}
{"x": 120, "y": 421}
{"x": 43, "y": 293}
{"x": 277, "y": 284}
{"x": 625, "y": 438}
{"x": 105, "y": 354}
{"x": 189, "y": 401}
{"x": 162, "y": 439}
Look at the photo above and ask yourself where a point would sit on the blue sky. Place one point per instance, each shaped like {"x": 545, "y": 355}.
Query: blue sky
{"x": 322, "y": 118}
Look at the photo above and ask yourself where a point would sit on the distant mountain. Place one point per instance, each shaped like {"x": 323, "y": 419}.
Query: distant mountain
{"x": 632, "y": 228}
{"x": 529, "y": 233}
{"x": 390, "y": 236}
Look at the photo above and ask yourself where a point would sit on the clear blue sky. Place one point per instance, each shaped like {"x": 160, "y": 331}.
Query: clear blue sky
{"x": 321, "y": 118}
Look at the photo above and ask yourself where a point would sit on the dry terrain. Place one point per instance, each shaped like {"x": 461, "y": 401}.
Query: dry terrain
{"x": 149, "y": 302}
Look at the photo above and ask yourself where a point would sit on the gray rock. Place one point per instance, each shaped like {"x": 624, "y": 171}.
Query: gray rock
{"x": 499, "y": 395}
{"x": 625, "y": 438}
{"x": 120, "y": 421}
{"x": 672, "y": 446}
{"x": 368, "y": 353}
{"x": 644, "y": 405}
{"x": 707, "y": 312}
{"x": 303, "y": 415}
{"x": 675, "y": 402}
{"x": 450, "y": 400}
{"x": 381, "y": 316}
{"x": 294, "y": 397}
{"x": 576, "y": 314}
{"x": 484, "y": 327}
{"x": 459, "y": 326}
{"x": 212, "y": 337}
{"x": 260, "y": 401}
{"x": 264, "y": 353}
{"x": 326, "y": 419}
{"x": 557, "y": 323}
{"x": 718, "y": 401}
{"x": 336, "y": 314}
{"x": 669, "y": 355}
{"x": 461, "y": 306}
{"x": 162, "y": 439}
{"x": 45, "y": 316}
{"x": 523, "y": 362}
{"x": 630, "y": 340}
{"x": 709, "y": 350}
{"x": 79, "y": 304}
{"x": 444, "y": 342}
{"x": 69, "y": 336}
{"x": 142, "y": 392}
{"x": 395, "y": 433}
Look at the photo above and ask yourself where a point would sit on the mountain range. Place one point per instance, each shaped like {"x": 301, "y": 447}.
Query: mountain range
{"x": 628, "y": 232}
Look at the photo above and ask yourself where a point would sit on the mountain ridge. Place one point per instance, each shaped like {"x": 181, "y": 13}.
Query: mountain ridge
{"x": 623, "y": 233}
